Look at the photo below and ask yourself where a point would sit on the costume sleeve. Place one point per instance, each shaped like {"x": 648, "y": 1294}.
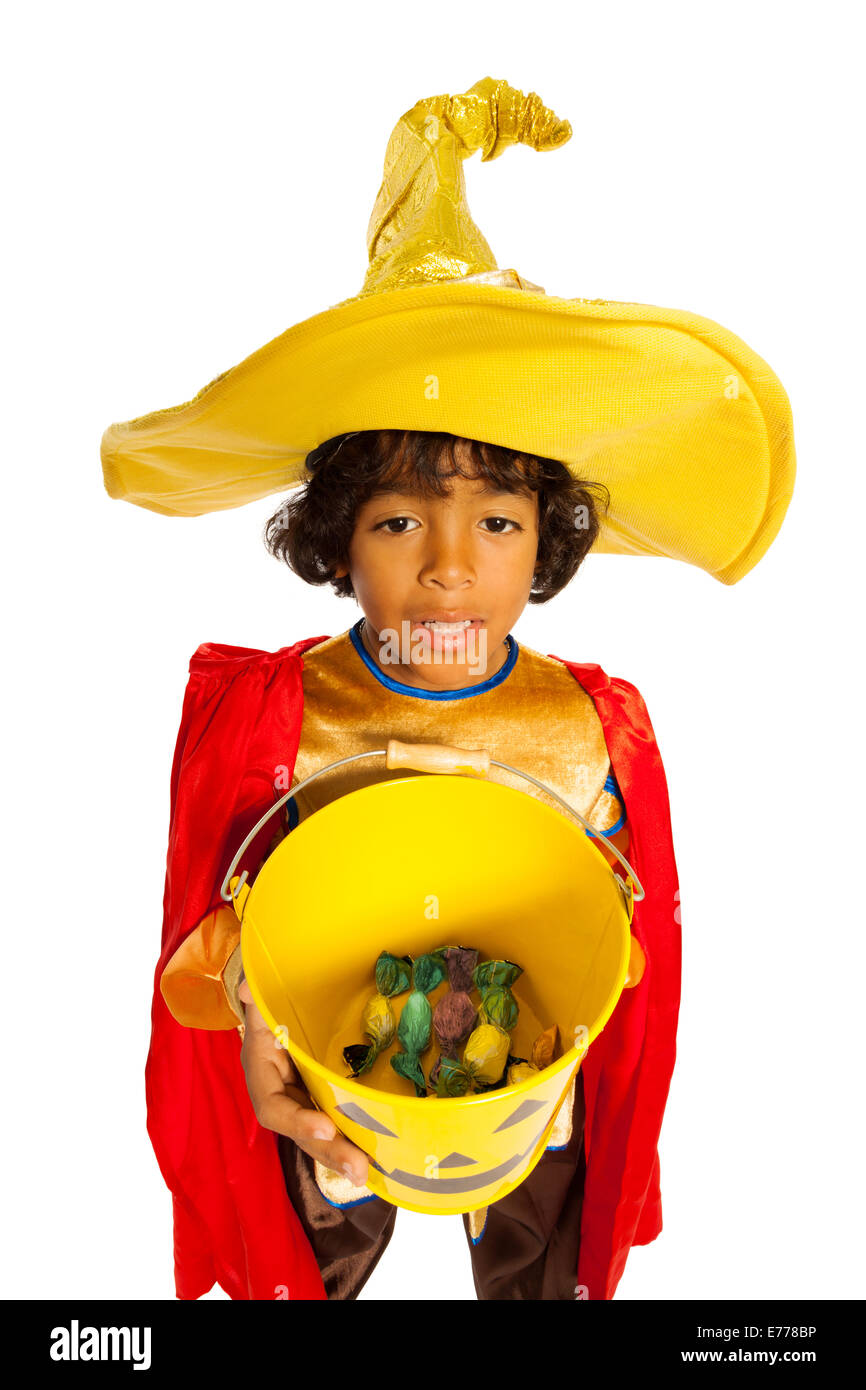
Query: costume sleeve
{"x": 200, "y": 983}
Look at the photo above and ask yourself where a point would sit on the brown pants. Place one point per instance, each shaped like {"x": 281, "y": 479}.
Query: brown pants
{"x": 526, "y": 1249}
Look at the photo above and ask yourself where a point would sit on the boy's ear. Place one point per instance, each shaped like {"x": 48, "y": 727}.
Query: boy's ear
{"x": 341, "y": 571}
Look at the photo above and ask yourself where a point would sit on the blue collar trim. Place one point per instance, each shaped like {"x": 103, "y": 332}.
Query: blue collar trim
{"x": 401, "y": 689}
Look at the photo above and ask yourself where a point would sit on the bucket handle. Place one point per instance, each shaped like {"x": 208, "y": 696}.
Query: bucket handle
{"x": 435, "y": 758}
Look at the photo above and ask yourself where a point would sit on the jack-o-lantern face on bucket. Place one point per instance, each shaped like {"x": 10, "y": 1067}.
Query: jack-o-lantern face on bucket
{"x": 464, "y": 1185}
{"x": 500, "y": 1141}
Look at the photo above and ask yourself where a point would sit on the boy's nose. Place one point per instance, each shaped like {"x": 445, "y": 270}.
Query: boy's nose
{"x": 449, "y": 566}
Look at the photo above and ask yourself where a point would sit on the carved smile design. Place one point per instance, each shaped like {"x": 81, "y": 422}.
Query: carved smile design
{"x": 470, "y": 1183}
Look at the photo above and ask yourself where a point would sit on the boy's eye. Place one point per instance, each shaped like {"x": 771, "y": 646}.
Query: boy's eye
{"x": 396, "y": 527}
{"x": 394, "y": 521}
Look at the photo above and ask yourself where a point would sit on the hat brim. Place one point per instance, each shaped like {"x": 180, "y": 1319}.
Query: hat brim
{"x": 689, "y": 429}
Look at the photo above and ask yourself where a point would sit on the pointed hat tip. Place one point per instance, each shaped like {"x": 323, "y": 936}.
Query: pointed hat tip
{"x": 421, "y": 228}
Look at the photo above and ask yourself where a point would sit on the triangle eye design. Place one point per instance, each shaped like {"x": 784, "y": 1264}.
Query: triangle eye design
{"x": 456, "y": 1161}
{"x": 523, "y": 1111}
{"x": 360, "y": 1117}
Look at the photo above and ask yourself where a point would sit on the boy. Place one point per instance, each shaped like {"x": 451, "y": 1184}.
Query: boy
{"x": 690, "y": 433}
{"x": 413, "y": 553}
{"x": 431, "y": 525}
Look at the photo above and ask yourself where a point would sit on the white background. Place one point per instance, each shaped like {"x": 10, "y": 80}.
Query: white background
{"x": 187, "y": 181}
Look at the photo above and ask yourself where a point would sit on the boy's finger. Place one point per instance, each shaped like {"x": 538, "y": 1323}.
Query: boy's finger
{"x": 268, "y": 1068}
{"x": 283, "y": 1114}
{"x": 285, "y": 1107}
{"x": 316, "y": 1134}
{"x": 279, "y": 1106}
{"x": 344, "y": 1157}
{"x": 312, "y": 1124}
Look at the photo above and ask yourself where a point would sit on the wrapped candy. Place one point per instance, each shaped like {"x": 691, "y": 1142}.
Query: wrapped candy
{"x": 493, "y": 980}
{"x": 544, "y": 1051}
{"x": 546, "y": 1047}
{"x": 416, "y": 1020}
{"x": 393, "y": 974}
{"x": 455, "y": 1015}
{"x": 519, "y": 1070}
{"x": 483, "y": 1064}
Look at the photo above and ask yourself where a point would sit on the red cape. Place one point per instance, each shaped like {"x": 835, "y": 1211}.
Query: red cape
{"x": 233, "y": 1222}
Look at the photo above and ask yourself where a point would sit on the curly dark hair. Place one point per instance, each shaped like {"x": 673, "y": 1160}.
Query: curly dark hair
{"x": 311, "y": 531}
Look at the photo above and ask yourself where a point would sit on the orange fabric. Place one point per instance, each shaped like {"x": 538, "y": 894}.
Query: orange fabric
{"x": 192, "y": 982}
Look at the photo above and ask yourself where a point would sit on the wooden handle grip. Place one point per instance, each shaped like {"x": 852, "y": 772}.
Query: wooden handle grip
{"x": 437, "y": 757}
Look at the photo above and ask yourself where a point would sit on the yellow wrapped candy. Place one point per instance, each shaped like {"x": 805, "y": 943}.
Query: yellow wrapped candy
{"x": 393, "y": 974}
{"x": 520, "y": 1070}
{"x": 378, "y": 1021}
{"x": 484, "y": 1059}
{"x": 544, "y": 1052}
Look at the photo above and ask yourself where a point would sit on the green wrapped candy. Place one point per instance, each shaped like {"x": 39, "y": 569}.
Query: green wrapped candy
{"x": 450, "y": 1077}
{"x": 393, "y": 974}
{"x": 416, "y": 1020}
{"x": 493, "y": 980}
{"x": 483, "y": 1064}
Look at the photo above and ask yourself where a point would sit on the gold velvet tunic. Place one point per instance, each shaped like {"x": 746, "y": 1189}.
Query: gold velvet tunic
{"x": 531, "y": 713}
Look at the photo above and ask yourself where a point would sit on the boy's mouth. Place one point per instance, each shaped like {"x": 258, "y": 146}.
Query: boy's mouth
{"x": 446, "y": 630}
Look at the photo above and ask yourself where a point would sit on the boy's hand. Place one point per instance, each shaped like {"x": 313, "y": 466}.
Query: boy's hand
{"x": 269, "y": 1070}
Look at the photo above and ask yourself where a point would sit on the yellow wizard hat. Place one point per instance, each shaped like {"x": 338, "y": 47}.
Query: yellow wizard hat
{"x": 687, "y": 427}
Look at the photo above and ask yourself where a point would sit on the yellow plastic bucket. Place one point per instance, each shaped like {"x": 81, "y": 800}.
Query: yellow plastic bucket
{"x": 408, "y": 865}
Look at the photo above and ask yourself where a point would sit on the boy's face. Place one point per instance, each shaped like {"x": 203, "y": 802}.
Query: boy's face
{"x": 471, "y": 554}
